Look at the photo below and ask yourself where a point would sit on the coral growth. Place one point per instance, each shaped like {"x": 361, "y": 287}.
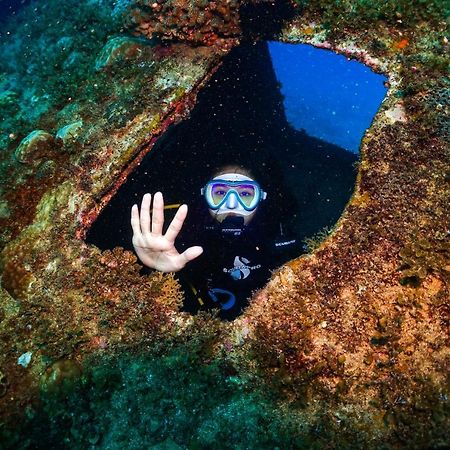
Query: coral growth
{"x": 200, "y": 22}
{"x": 34, "y": 147}
{"x": 60, "y": 376}
{"x": 16, "y": 277}
{"x": 119, "y": 48}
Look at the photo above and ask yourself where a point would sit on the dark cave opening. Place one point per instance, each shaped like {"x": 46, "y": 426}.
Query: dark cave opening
{"x": 264, "y": 20}
{"x": 239, "y": 119}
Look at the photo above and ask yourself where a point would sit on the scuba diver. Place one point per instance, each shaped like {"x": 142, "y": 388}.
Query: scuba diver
{"x": 233, "y": 252}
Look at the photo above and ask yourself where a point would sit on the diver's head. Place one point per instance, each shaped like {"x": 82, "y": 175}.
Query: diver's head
{"x": 233, "y": 193}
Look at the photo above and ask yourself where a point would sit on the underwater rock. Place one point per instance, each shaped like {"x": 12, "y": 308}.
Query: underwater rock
{"x": 33, "y": 147}
{"x": 60, "y": 375}
{"x": 8, "y": 100}
{"x": 4, "y": 209}
{"x": 120, "y": 7}
{"x": 75, "y": 58}
{"x": 168, "y": 444}
{"x": 120, "y": 48}
{"x": 201, "y": 22}
{"x": 70, "y": 132}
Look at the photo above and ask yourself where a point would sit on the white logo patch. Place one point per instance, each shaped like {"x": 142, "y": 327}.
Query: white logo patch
{"x": 241, "y": 269}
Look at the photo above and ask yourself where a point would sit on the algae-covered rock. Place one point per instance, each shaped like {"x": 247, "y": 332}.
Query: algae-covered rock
{"x": 70, "y": 132}
{"x": 8, "y": 99}
{"x": 340, "y": 340}
{"x": 46, "y": 169}
{"x": 4, "y": 209}
{"x": 120, "y": 48}
{"x": 60, "y": 375}
{"x": 35, "y": 146}
{"x": 200, "y": 22}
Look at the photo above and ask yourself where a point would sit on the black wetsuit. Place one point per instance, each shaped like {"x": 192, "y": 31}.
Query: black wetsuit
{"x": 235, "y": 262}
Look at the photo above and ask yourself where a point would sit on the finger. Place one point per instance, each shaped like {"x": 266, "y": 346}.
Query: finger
{"x": 158, "y": 213}
{"x": 176, "y": 224}
{"x": 135, "y": 221}
{"x": 191, "y": 253}
{"x": 145, "y": 213}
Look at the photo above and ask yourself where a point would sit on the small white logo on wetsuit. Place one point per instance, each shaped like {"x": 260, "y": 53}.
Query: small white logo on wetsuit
{"x": 241, "y": 270}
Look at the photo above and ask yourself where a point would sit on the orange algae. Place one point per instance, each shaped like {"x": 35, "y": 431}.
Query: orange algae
{"x": 400, "y": 45}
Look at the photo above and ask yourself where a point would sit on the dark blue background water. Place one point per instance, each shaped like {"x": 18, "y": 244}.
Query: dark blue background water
{"x": 10, "y": 7}
{"x": 327, "y": 95}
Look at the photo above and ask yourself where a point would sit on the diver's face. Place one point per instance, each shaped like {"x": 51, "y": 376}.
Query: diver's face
{"x": 232, "y": 205}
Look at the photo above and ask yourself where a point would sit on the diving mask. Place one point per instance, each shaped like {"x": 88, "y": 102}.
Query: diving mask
{"x": 233, "y": 192}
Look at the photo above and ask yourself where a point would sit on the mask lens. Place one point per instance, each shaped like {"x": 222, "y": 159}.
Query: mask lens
{"x": 246, "y": 193}
{"x": 218, "y": 193}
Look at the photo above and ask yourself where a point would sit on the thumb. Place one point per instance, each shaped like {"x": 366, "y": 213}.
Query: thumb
{"x": 191, "y": 253}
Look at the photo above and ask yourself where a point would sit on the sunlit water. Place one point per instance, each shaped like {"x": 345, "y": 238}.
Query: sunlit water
{"x": 330, "y": 97}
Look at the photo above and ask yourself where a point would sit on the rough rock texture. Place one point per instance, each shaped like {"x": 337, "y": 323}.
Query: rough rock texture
{"x": 201, "y": 22}
{"x": 352, "y": 338}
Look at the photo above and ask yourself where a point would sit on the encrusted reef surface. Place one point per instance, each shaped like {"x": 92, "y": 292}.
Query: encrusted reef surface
{"x": 346, "y": 347}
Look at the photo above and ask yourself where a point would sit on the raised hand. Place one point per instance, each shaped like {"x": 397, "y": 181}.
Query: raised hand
{"x": 154, "y": 249}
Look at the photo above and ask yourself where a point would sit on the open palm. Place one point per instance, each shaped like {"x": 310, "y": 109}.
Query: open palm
{"x": 155, "y": 249}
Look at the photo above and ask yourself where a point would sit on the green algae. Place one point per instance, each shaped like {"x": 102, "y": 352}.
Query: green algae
{"x": 131, "y": 401}
{"x": 422, "y": 257}
{"x": 356, "y": 13}
{"x": 46, "y": 53}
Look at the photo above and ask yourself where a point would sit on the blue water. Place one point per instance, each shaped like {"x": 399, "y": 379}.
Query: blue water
{"x": 327, "y": 95}
{"x": 11, "y": 7}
